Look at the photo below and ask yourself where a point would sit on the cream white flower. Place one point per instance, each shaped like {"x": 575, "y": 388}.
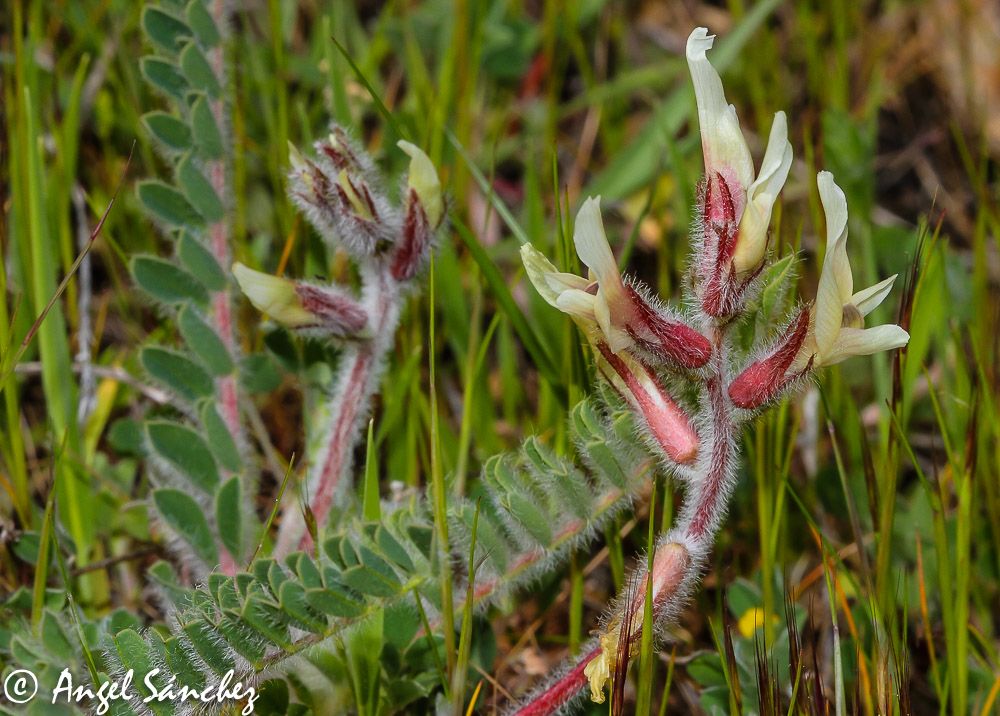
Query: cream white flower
{"x": 616, "y": 319}
{"x": 601, "y": 300}
{"x": 728, "y": 156}
{"x": 837, "y": 329}
{"x": 598, "y": 670}
{"x": 625, "y": 316}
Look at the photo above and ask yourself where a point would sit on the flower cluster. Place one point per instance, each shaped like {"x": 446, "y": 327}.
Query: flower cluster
{"x": 628, "y": 330}
{"x": 339, "y": 191}
{"x": 638, "y": 342}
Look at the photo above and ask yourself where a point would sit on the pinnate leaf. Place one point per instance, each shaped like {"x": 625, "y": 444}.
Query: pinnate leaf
{"x": 220, "y": 440}
{"x": 204, "y": 342}
{"x": 199, "y": 191}
{"x": 164, "y": 29}
{"x": 200, "y": 20}
{"x": 229, "y": 516}
{"x": 200, "y": 262}
{"x": 205, "y": 129}
{"x": 198, "y": 71}
{"x": 165, "y": 282}
{"x": 165, "y": 76}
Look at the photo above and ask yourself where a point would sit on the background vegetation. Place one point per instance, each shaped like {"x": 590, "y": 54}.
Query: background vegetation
{"x": 869, "y": 507}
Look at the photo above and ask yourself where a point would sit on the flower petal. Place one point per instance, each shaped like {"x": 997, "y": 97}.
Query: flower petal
{"x": 273, "y": 295}
{"x": 835, "y": 280}
{"x": 423, "y": 179}
{"x": 548, "y": 281}
{"x": 721, "y": 138}
{"x": 577, "y": 303}
{"x": 616, "y": 337}
{"x": 869, "y": 299}
{"x": 835, "y": 208}
{"x": 592, "y": 244}
{"x": 598, "y": 672}
{"x": 566, "y": 281}
{"x": 761, "y": 197}
{"x": 865, "y": 341}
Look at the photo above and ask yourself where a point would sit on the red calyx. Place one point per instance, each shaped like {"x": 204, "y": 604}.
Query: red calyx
{"x": 671, "y": 340}
{"x": 415, "y": 241}
{"x": 339, "y": 315}
{"x": 763, "y": 380}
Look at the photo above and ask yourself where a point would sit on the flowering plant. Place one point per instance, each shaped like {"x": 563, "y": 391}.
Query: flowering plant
{"x": 636, "y": 340}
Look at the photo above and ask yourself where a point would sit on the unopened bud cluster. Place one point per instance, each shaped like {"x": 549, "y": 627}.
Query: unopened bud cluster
{"x": 641, "y": 347}
{"x": 340, "y": 192}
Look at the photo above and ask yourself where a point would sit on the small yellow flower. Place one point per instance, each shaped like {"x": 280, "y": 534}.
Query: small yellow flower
{"x": 598, "y": 671}
{"x": 752, "y": 620}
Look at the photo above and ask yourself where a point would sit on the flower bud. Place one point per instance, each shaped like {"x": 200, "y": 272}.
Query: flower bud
{"x": 300, "y": 305}
{"x": 667, "y": 423}
{"x": 337, "y": 194}
{"x": 423, "y": 180}
{"x": 765, "y": 379}
{"x": 424, "y": 211}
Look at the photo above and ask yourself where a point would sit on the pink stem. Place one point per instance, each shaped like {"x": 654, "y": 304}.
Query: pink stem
{"x": 713, "y": 494}
{"x": 226, "y": 387}
{"x": 700, "y": 518}
{"x": 358, "y": 375}
{"x": 562, "y": 691}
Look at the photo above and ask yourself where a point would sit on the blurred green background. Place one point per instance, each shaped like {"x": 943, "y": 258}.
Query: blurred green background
{"x": 874, "y": 497}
